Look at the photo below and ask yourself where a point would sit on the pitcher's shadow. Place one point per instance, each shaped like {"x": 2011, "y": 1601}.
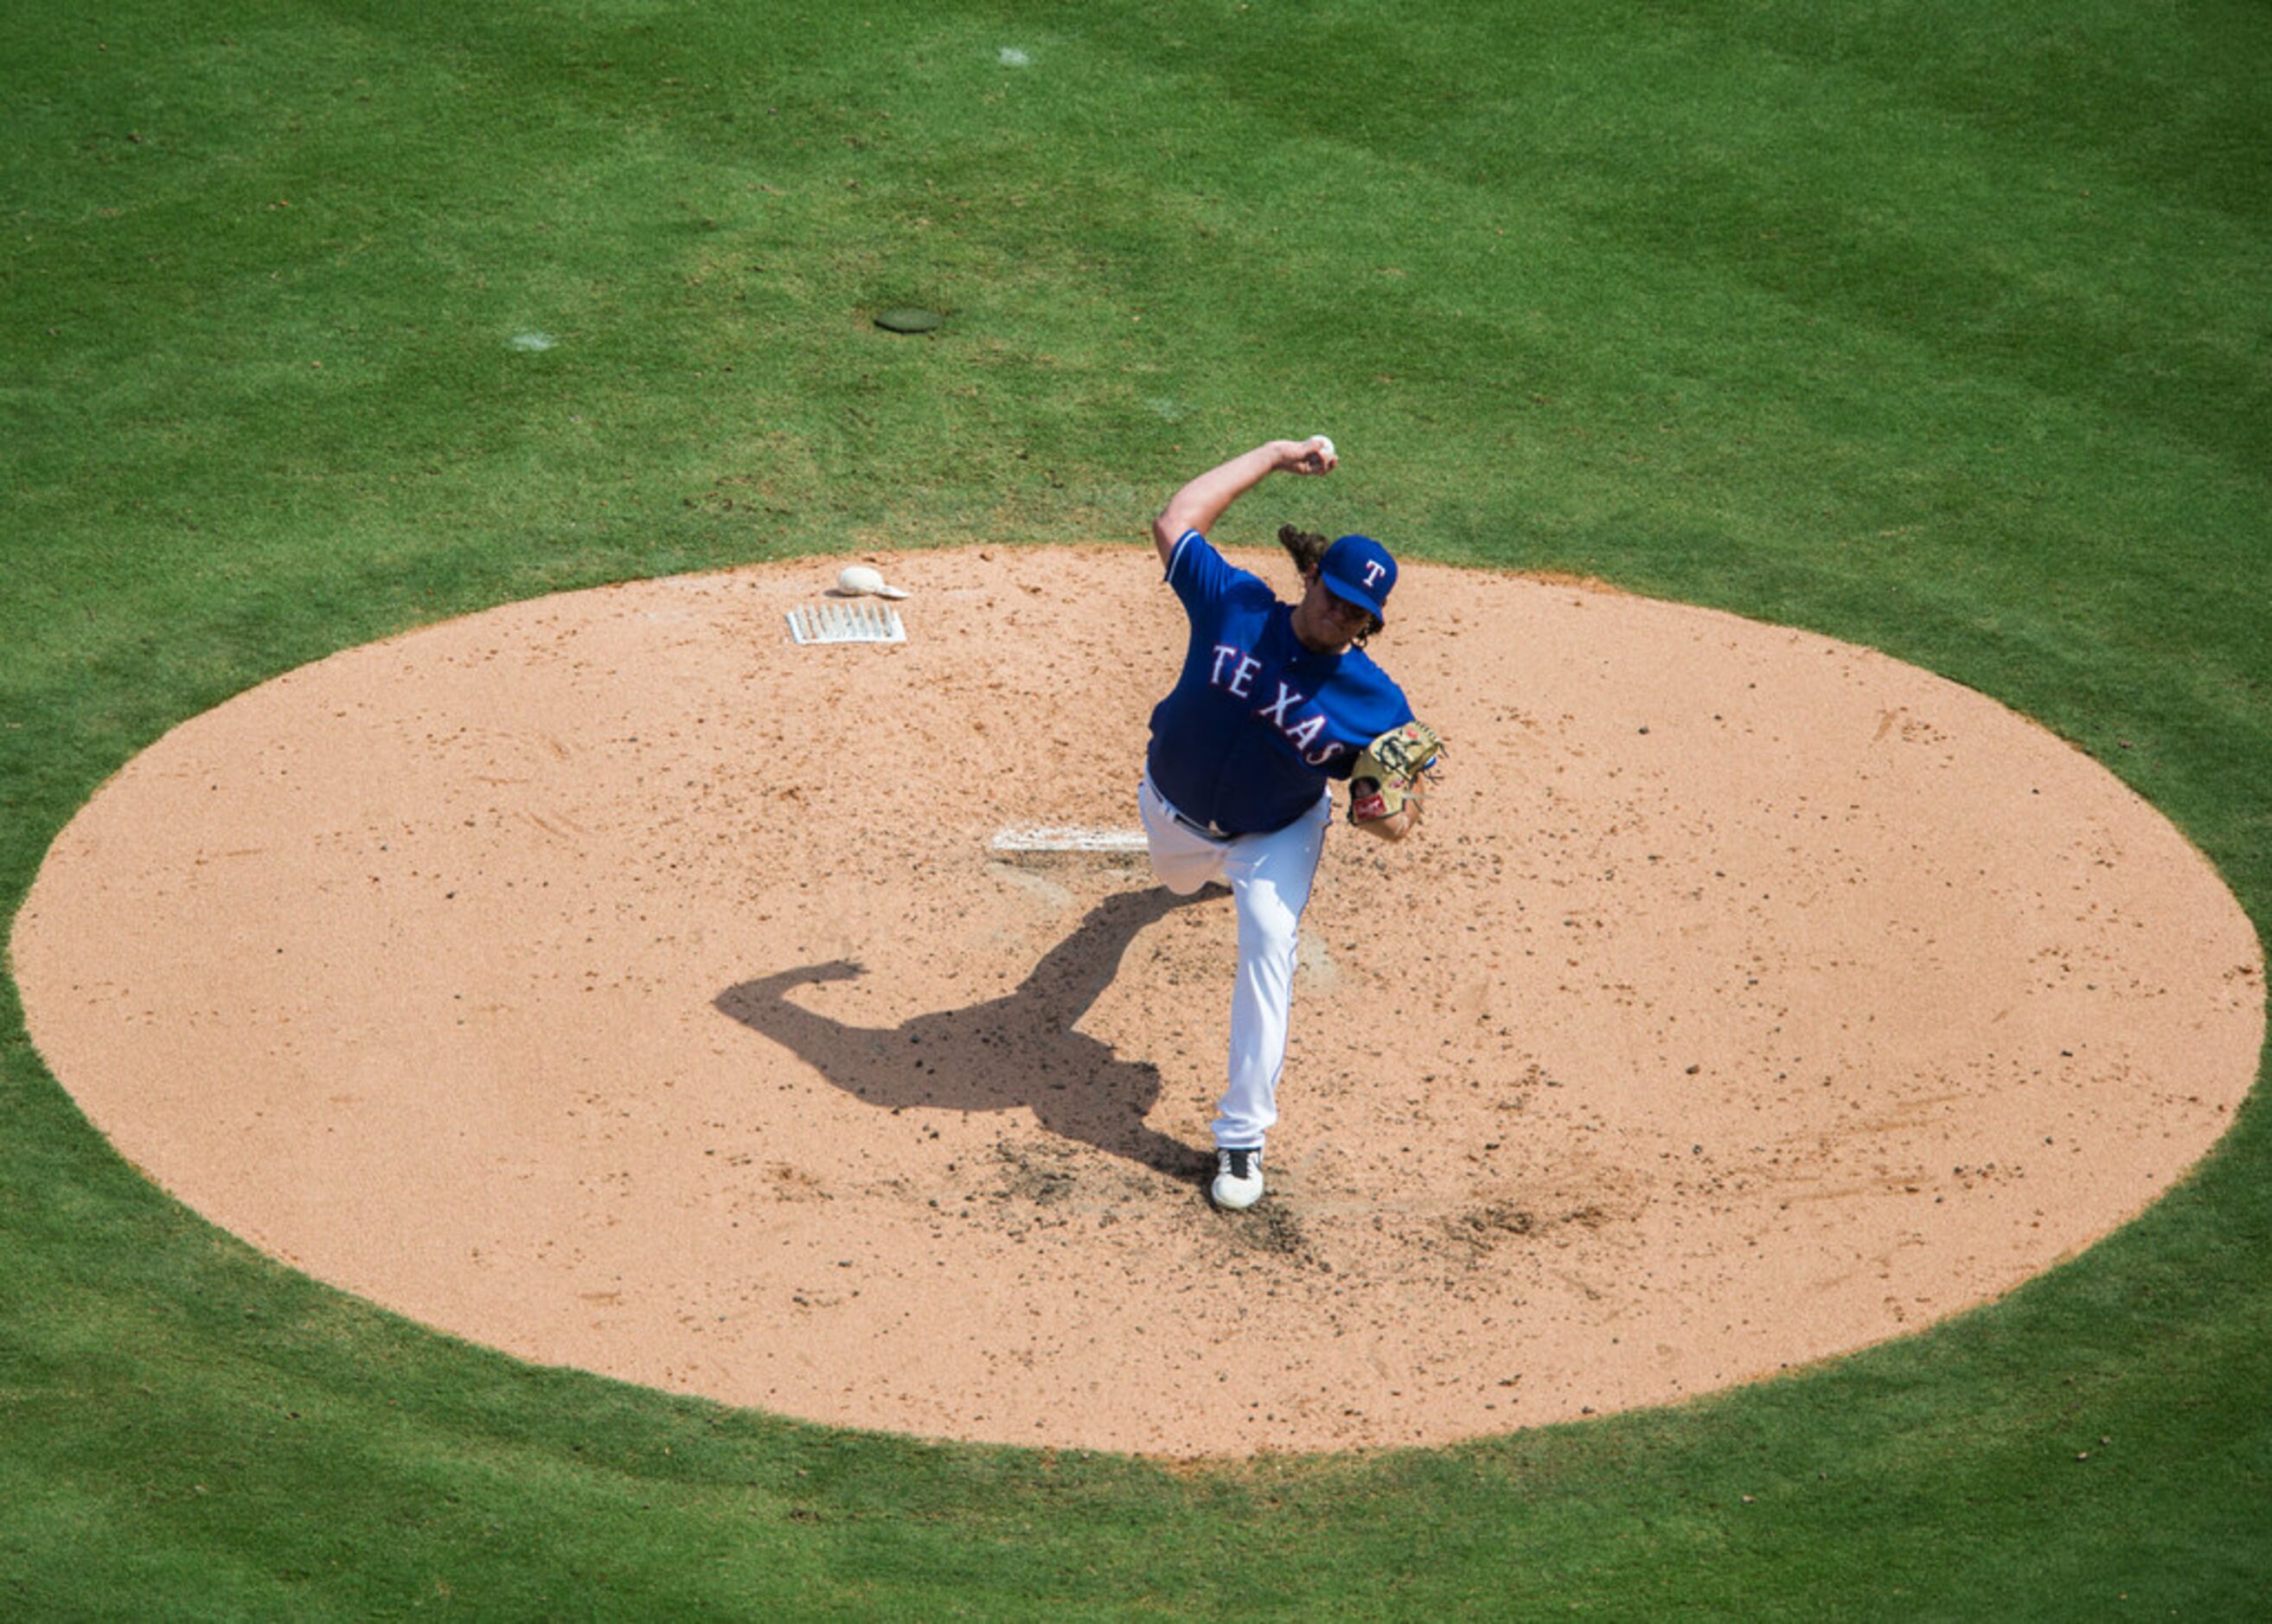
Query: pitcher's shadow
{"x": 1020, "y": 1049}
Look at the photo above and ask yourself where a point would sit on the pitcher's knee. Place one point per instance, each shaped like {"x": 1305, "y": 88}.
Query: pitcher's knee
{"x": 1268, "y": 933}
{"x": 1186, "y": 879}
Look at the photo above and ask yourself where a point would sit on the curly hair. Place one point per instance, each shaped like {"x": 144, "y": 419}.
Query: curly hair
{"x": 1307, "y": 549}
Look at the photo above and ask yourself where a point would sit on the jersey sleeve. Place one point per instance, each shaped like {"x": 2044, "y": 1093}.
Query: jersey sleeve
{"x": 1200, "y": 574}
{"x": 1376, "y": 706}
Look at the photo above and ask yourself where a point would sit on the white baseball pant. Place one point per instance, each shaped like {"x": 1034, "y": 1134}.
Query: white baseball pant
{"x": 1269, "y": 876}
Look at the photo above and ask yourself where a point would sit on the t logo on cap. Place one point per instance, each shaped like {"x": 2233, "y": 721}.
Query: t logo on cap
{"x": 1359, "y": 570}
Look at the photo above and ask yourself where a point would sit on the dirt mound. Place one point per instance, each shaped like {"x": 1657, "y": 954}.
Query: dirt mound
{"x": 610, "y": 980}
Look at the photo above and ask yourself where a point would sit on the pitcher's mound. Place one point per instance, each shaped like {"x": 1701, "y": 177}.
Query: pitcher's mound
{"x": 610, "y": 980}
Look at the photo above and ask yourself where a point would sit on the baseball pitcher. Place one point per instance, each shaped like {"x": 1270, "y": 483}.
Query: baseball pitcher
{"x": 1274, "y": 701}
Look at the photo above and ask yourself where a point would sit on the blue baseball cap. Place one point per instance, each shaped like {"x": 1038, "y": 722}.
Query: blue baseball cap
{"x": 1359, "y": 570}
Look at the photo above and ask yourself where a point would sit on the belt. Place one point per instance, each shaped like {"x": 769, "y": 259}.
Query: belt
{"x": 1207, "y": 831}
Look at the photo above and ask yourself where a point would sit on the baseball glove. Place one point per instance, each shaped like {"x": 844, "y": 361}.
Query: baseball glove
{"x": 1392, "y": 770}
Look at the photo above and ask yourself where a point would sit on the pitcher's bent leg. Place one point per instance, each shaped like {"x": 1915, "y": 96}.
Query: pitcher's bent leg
{"x": 1182, "y": 860}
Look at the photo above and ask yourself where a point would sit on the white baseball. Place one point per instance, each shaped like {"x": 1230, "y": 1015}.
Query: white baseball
{"x": 1323, "y": 445}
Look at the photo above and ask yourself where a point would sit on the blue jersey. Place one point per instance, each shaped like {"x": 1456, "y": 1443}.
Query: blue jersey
{"x": 1257, "y": 722}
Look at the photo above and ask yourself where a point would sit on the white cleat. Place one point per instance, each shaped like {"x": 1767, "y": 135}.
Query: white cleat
{"x": 1237, "y": 1178}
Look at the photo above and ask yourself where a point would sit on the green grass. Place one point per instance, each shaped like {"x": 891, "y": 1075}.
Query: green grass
{"x": 1939, "y": 328}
